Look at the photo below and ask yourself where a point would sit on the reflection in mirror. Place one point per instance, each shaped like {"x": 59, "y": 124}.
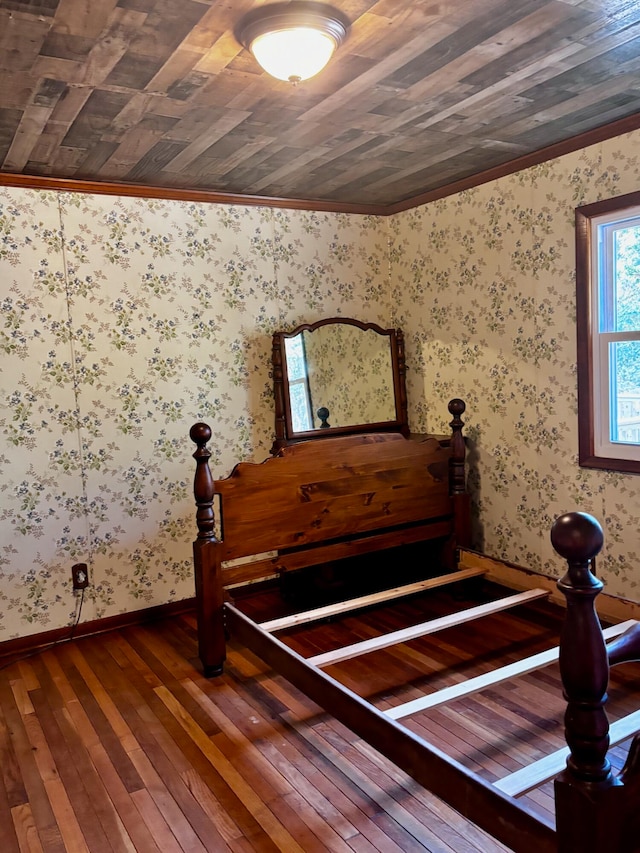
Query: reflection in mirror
{"x": 338, "y": 376}
{"x": 339, "y": 372}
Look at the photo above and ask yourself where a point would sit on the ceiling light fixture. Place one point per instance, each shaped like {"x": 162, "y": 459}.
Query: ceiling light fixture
{"x": 293, "y": 41}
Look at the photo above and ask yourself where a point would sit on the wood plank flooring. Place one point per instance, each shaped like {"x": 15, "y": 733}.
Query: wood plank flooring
{"x": 117, "y": 743}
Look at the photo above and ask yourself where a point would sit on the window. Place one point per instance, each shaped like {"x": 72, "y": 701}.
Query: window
{"x": 608, "y": 306}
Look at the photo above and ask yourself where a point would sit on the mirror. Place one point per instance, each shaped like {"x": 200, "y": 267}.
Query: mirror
{"x": 338, "y": 376}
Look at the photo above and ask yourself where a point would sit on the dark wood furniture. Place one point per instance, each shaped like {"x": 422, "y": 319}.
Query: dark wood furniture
{"x": 390, "y": 415}
{"x": 319, "y": 501}
{"x": 326, "y": 500}
{"x": 596, "y": 811}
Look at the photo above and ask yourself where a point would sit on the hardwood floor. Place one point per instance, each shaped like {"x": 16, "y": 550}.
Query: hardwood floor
{"x": 117, "y": 743}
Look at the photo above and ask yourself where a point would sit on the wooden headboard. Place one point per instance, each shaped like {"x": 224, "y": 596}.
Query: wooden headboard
{"x": 324, "y": 500}
{"x": 319, "y": 491}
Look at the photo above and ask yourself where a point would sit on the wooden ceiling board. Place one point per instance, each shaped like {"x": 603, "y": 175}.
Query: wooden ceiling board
{"x": 81, "y": 17}
{"x": 20, "y": 43}
{"x": 422, "y": 97}
{"x": 95, "y": 160}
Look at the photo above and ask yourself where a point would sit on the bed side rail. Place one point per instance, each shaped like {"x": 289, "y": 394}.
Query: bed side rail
{"x": 476, "y": 799}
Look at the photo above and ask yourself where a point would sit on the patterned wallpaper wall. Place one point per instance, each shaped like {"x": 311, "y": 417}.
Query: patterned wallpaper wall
{"x": 123, "y": 322}
{"x": 485, "y": 280}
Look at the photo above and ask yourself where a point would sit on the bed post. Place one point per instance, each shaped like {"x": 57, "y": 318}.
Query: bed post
{"x": 458, "y": 477}
{"x": 206, "y": 561}
{"x": 589, "y": 798}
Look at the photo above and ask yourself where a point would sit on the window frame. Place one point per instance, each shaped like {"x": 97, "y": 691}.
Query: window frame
{"x": 592, "y": 452}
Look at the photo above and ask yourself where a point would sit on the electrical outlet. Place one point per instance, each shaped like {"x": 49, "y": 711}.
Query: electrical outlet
{"x": 80, "y": 576}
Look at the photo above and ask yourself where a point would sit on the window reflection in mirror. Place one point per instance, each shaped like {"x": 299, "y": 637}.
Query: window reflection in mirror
{"x": 299, "y": 393}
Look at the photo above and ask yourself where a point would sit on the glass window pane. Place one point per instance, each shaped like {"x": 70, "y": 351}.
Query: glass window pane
{"x": 625, "y": 391}
{"x": 626, "y": 265}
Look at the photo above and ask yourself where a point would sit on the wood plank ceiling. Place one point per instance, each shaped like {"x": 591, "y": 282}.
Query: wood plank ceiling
{"x": 421, "y": 96}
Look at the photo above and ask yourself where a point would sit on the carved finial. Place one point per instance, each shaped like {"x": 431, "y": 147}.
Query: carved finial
{"x": 577, "y": 537}
{"x": 456, "y": 408}
{"x": 200, "y": 434}
{"x": 323, "y": 415}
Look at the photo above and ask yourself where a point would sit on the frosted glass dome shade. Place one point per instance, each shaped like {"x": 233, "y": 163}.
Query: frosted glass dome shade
{"x": 293, "y": 40}
{"x": 293, "y": 54}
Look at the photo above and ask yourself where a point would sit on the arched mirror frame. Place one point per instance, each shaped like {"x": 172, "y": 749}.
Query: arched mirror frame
{"x": 285, "y": 433}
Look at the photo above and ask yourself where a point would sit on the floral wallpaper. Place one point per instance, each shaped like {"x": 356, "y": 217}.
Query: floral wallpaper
{"x": 125, "y": 320}
{"x": 485, "y": 284}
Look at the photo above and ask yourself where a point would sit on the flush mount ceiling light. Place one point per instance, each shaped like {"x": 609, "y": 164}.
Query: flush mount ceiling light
{"x": 293, "y": 41}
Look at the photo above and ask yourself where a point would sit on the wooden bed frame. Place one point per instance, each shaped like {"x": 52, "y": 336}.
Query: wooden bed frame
{"x": 324, "y": 500}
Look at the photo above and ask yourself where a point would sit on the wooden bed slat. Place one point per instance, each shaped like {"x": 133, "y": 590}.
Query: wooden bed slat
{"x": 366, "y": 600}
{"x": 431, "y": 627}
{"x": 474, "y": 685}
{"x": 522, "y": 781}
